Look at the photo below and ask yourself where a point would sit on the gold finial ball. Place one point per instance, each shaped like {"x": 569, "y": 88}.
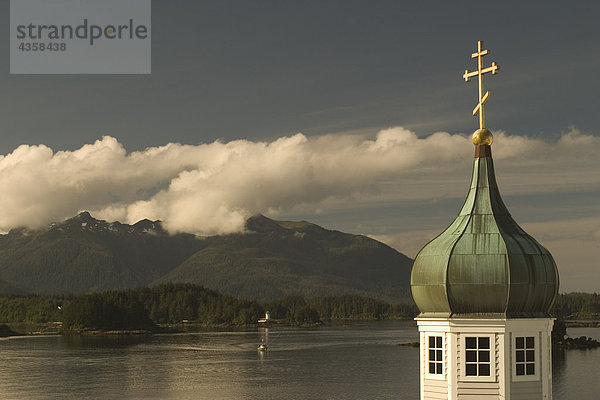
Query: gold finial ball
{"x": 482, "y": 137}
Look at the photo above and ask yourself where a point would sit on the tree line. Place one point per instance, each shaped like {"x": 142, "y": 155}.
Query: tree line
{"x": 145, "y": 308}
{"x": 345, "y": 307}
{"x": 577, "y": 306}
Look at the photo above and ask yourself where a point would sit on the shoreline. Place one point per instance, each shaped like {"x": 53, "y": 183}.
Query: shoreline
{"x": 581, "y": 323}
{"x": 55, "y": 328}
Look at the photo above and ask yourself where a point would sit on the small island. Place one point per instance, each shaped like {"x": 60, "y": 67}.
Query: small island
{"x": 183, "y": 307}
{"x": 581, "y": 342}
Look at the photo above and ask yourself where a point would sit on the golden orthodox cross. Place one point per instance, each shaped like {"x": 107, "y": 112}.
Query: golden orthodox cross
{"x": 483, "y": 97}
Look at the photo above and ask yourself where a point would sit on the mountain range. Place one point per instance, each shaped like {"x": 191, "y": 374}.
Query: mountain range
{"x": 271, "y": 259}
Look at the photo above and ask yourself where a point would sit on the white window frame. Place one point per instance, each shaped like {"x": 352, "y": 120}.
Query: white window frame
{"x": 463, "y": 358}
{"x": 536, "y": 355}
{"x": 429, "y": 375}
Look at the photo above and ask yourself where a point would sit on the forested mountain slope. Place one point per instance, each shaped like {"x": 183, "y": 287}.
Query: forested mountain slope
{"x": 270, "y": 260}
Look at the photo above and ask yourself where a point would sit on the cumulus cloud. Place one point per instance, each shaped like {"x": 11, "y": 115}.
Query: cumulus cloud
{"x": 212, "y": 188}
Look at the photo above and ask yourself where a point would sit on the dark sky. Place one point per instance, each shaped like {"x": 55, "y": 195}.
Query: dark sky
{"x": 263, "y": 69}
{"x": 266, "y": 70}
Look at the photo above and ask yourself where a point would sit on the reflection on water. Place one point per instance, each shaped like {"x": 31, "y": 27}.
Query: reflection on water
{"x": 103, "y": 341}
{"x": 575, "y": 371}
{"x": 352, "y": 362}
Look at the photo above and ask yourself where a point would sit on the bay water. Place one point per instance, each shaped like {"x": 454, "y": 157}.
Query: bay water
{"x": 357, "y": 361}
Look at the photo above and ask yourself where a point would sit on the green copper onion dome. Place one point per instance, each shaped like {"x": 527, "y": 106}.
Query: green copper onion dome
{"x": 484, "y": 264}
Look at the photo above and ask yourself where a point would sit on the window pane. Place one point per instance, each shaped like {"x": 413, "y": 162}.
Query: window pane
{"x": 520, "y": 369}
{"x": 530, "y": 369}
{"x": 438, "y": 355}
{"x": 471, "y": 356}
{"x": 530, "y": 342}
{"x": 530, "y": 355}
{"x": 520, "y": 343}
{"x": 484, "y": 343}
{"x": 484, "y": 356}
{"x": 471, "y": 369}
{"x": 439, "y": 342}
{"x": 439, "y": 368}
{"x": 431, "y": 341}
{"x": 520, "y": 355}
{"x": 471, "y": 343}
{"x": 431, "y": 355}
{"x": 484, "y": 370}
{"x": 432, "y": 368}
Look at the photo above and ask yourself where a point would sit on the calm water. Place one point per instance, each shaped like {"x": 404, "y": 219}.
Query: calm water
{"x": 355, "y": 362}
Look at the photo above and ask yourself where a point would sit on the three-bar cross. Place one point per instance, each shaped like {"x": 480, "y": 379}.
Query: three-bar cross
{"x": 483, "y": 97}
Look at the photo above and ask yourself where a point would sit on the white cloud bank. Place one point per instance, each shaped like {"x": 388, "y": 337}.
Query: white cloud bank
{"x": 213, "y": 188}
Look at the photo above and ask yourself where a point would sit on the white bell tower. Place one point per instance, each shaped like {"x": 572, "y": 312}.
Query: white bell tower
{"x": 484, "y": 289}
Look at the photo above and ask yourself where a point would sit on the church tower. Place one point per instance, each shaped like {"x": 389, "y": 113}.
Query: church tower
{"x": 484, "y": 289}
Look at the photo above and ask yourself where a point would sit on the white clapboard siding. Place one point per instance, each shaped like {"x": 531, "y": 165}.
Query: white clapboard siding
{"x": 526, "y": 390}
{"x": 482, "y": 388}
{"x": 503, "y": 384}
{"x": 436, "y": 389}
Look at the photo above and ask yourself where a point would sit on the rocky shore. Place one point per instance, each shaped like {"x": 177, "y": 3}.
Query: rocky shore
{"x": 582, "y": 342}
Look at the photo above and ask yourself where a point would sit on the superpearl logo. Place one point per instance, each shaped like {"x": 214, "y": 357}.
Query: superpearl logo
{"x": 80, "y": 37}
